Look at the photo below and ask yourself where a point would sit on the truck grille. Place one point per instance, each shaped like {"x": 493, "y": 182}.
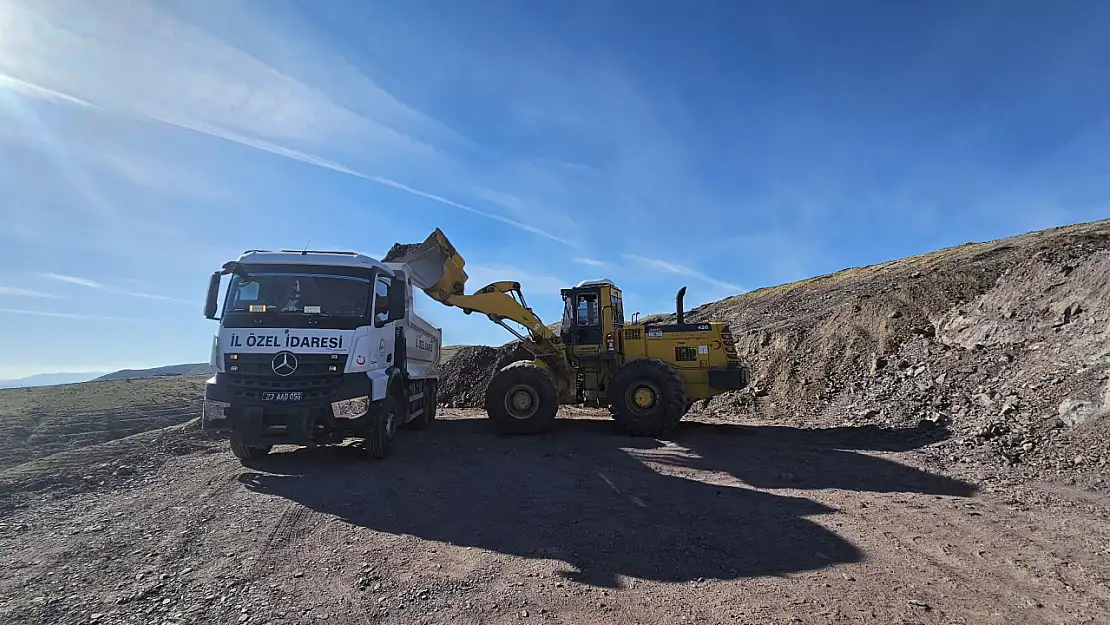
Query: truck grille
{"x": 317, "y": 376}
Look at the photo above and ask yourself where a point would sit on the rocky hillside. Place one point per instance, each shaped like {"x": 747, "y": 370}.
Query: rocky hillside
{"x": 1006, "y": 342}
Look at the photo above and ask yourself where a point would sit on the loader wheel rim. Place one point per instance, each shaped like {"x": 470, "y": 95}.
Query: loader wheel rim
{"x": 643, "y": 397}
{"x": 521, "y": 401}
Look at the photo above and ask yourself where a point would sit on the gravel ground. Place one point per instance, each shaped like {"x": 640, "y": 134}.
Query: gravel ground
{"x": 730, "y": 522}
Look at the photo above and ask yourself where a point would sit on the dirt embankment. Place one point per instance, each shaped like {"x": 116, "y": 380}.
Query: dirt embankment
{"x": 1005, "y": 343}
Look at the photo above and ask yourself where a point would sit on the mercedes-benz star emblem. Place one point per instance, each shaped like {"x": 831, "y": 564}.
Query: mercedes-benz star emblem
{"x": 284, "y": 364}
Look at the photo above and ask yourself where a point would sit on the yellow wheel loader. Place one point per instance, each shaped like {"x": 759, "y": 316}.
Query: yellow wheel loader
{"x": 648, "y": 375}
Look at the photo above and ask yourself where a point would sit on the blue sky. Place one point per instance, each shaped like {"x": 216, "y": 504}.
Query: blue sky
{"x": 720, "y": 145}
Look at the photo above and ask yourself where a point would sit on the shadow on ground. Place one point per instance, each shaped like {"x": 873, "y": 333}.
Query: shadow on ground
{"x": 586, "y": 495}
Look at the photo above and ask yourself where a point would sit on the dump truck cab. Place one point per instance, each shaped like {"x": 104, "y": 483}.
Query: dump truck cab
{"x": 315, "y": 347}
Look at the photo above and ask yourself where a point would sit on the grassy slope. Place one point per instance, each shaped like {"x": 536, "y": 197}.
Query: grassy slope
{"x": 39, "y": 422}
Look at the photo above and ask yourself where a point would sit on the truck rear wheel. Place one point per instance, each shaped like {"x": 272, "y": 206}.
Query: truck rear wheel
{"x": 647, "y": 398}
{"x": 427, "y": 404}
{"x": 521, "y": 398}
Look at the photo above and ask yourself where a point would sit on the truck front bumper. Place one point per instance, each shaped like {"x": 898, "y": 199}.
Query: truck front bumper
{"x": 288, "y": 423}
{"x": 731, "y": 378}
{"x": 261, "y": 426}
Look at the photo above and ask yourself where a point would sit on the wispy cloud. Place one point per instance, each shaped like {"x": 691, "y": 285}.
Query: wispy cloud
{"x": 682, "y": 270}
{"x": 36, "y": 91}
{"x": 273, "y": 91}
{"x": 591, "y": 262}
{"x": 18, "y": 292}
{"x": 505, "y": 220}
{"x": 93, "y": 284}
{"x": 58, "y": 315}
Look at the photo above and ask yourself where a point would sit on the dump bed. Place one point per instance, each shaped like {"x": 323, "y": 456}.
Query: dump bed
{"x": 423, "y": 341}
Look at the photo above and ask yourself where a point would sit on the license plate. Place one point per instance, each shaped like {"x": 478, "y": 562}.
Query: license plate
{"x": 291, "y": 396}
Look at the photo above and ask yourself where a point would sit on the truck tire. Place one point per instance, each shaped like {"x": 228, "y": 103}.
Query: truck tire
{"x": 428, "y": 403}
{"x": 647, "y": 398}
{"x": 521, "y": 399}
{"x": 431, "y": 399}
{"x": 247, "y": 453}
{"x": 383, "y": 433}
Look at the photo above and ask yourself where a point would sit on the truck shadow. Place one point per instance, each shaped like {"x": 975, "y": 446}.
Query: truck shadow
{"x": 590, "y": 497}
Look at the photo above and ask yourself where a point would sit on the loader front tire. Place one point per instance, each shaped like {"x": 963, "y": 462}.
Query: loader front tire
{"x": 647, "y": 398}
{"x": 521, "y": 399}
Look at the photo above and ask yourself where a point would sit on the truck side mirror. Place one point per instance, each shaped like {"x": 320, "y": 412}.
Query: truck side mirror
{"x": 397, "y": 299}
{"x": 213, "y": 295}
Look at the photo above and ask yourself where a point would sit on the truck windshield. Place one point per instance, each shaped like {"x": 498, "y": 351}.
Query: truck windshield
{"x": 299, "y": 294}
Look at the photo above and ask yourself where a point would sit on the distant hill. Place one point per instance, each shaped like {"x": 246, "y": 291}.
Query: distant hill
{"x": 197, "y": 368}
{"x": 49, "y": 379}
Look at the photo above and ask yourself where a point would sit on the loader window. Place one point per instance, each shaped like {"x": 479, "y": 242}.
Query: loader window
{"x": 587, "y": 314}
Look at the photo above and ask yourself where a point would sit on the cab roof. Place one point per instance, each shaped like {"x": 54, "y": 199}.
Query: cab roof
{"x": 310, "y": 257}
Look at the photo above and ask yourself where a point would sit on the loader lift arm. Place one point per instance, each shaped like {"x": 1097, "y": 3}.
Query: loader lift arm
{"x": 504, "y": 301}
{"x": 437, "y": 268}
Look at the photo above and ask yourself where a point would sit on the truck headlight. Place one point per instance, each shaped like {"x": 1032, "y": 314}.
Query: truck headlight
{"x": 350, "y": 408}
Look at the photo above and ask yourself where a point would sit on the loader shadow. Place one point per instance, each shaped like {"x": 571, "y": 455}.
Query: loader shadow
{"x": 589, "y": 497}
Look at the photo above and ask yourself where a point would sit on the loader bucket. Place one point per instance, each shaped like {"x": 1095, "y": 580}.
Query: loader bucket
{"x": 434, "y": 265}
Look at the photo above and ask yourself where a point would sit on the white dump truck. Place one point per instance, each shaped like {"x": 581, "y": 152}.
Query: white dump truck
{"x": 315, "y": 347}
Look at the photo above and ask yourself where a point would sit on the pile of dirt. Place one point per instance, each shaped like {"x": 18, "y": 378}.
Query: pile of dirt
{"x": 1005, "y": 343}
{"x": 399, "y": 250}
{"x": 463, "y": 378}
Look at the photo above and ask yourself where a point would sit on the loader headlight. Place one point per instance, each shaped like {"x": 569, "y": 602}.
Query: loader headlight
{"x": 350, "y": 408}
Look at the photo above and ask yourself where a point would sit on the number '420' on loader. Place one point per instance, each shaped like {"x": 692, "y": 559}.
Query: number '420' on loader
{"x": 648, "y": 375}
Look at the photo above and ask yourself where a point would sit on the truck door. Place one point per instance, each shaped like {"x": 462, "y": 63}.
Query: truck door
{"x": 383, "y": 336}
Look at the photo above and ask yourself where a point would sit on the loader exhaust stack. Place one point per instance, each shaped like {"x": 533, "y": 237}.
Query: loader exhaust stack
{"x": 678, "y": 305}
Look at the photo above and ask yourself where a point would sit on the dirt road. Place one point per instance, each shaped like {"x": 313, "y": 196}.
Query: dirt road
{"x": 727, "y": 524}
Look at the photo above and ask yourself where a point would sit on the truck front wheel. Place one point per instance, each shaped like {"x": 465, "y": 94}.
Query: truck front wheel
{"x": 247, "y": 453}
{"x": 383, "y": 429}
{"x": 521, "y": 399}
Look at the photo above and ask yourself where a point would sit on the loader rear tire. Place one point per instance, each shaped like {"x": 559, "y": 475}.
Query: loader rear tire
{"x": 521, "y": 399}
{"x": 647, "y": 398}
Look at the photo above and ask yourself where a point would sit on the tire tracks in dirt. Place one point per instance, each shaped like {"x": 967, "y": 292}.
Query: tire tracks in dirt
{"x": 291, "y": 541}
{"x": 972, "y": 550}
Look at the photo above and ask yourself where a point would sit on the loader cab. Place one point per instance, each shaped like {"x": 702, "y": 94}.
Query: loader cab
{"x": 593, "y": 314}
